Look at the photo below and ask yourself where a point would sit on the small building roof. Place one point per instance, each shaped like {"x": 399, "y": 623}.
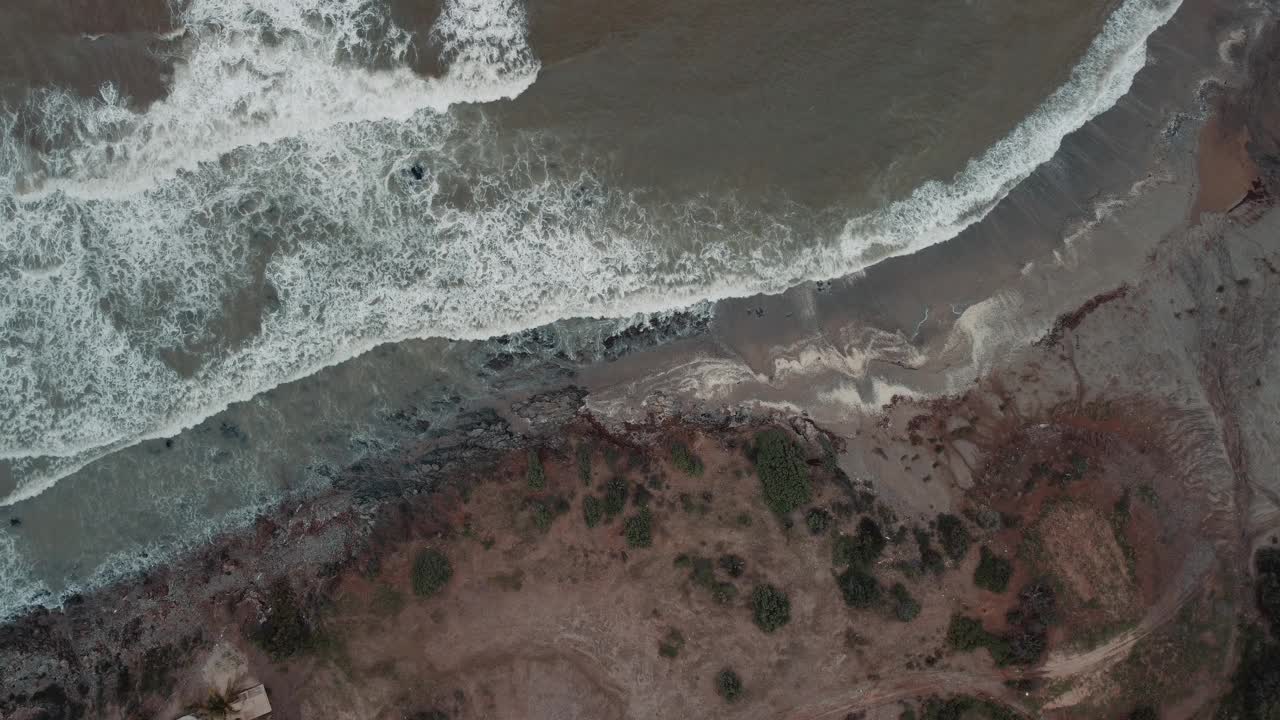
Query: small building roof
{"x": 250, "y": 704}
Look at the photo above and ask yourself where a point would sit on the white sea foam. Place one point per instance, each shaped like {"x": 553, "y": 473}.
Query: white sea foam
{"x": 130, "y": 232}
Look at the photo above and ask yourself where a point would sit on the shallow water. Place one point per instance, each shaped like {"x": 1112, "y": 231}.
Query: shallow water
{"x": 199, "y": 208}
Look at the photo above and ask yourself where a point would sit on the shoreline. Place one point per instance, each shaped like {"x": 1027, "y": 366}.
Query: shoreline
{"x": 1181, "y": 318}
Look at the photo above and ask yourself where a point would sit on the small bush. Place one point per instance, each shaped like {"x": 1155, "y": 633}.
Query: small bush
{"x": 784, "y": 476}
{"x": 993, "y": 572}
{"x": 1255, "y": 684}
{"x": 733, "y": 565}
{"x": 930, "y": 559}
{"x": 285, "y": 630}
{"x": 859, "y": 588}
{"x": 1145, "y": 712}
{"x": 860, "y": 549}
{"x": 685, "y": 461}
{"x": 542, "y": 516}
{"x": 584, "y": 463}
{"x": 592, "y": 510}
{"x": 671, "y": 644}
{"x": 905, "y": 607}
{"x": 615, "y": 496}
{"x": 966, "y": 633}
{"x": 638, "y": 529}
{"x": 770, "y": 607}
{"x": 536, "y": 475}
{"x": 817, "y": 520}
{"x": 953, "y": 535}
{"x": 728, "y": 685}
{"x": 431, "y": 572}
{"x": 962, "y": 707}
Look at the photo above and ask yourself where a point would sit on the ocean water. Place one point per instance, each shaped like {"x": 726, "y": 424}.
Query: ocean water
{"x": 209, "y": 209}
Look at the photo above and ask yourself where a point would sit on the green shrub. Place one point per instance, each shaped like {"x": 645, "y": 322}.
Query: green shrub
{"x": 964, "y": 707}
{"x": 993, "y": 572}
{"x": 592, "y": 510}
{"x": 584, "y": 463}
{"x": 285, "y": 631}
{"x": 638, "y": 529}
{"x": 953, "y": 535}
{"x": 733, "y": 565}
{"x": 862, "y": 548}
{"x": 542, "y": 515}
{"x": 728, "y": 685}
{"x": 859, "y": 588}
{"x": 966, "y": 633}
{"x": 431, "y": 572}
{"x": 770, "y": 607}
{"x": 1144, "y": 712}
{"x": 784, "y": 476}
{"x": 930, "y": 559}
{"x": 685, "y": 461}
{"x": 615, "y": 496}
{"x": 817, "y": 520}
{"x": 536, "y": 475}
{"x": 905, "y": 607}
{"x": 671, "y": 644}
{"x": 1255, "y": 684}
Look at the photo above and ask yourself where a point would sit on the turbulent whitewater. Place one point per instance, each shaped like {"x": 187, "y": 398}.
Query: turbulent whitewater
{"x": 300, "y": 195}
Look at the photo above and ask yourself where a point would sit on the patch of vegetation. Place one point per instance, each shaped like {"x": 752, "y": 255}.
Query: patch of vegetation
{"x": 965, "y": 707}
{"x": 1266, "y": 563}
{"x": 966, "y": 634}
{"x": 695, "y": 507}
{"x": 1144, "y": 712}
{"x": 1255, "y": 685}
{"x": 584, "y": 462}
{"x": 733, "y": 565}
{"x": 862, "y": 548}
{"x": 685, "y": 461}
{"x": 285, "y": 631}
{"x": 728, "y": 685}
{"x": 770, "y": 607}
{"x": 615, "y": 496}
{"x": 859, "y": 588}
{"x": 542, "y": 515}
{"x": 953, "y": 535}
{"x": 431, "y": 572}
{"x": 638, "y": 529}
{"x": 993, "y": 572}
{"x": 641, "y": 496}
{"x": 535, "y": 475}
{"x": 671, "y": 644}
{"x": 592, "y": 510}
{"x": 743, "y": 520}
{"x": 783, "y": 474}
{"x": 702, "y": 572}
{"x": 219, "y": 702}
{"x": 905, "y": 607}
{"x": 930, "y": 559}
{"x": 817, "y": 520}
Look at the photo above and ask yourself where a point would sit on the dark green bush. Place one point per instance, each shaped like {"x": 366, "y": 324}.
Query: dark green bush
{"x": 285, "y": 631}
{"x": 1255, "y": 684}
{"x": 905, "y": 607}
{"x": 536, "y": 475}
{"x": 966, "y": 633}
{"x": 733, "y": 565}
{"x": 930, "y": 559}
{"x": 817, "y": 520}
{"x": 784, "y": 476}
{"x": 965, "y": 707}
{"x": 953, "y": 535}
{"x": 685, "y": 461}
{"x": 592, "y": 510}
{"x": 993, "y": 572}
{"x": 671, "y": 644}
{"x": 542, "y": 515}
{"x": 431, "y": 572}
{"x": 859, "y": 588}
{"x": 728, "y": 685}
{"x": 862, "y": 548}
{"x": 638, "y": 529}
{"x": 770, "y": 607}
{"x": 615, "y": 496}
{"x": 1145, "y": 712}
